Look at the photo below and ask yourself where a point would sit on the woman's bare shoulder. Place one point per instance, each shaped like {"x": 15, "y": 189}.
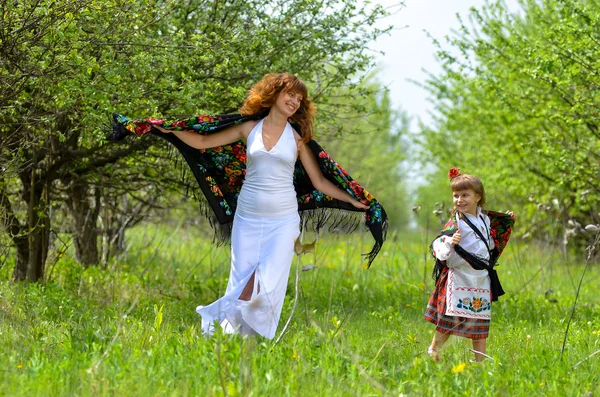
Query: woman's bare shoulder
{"x": 251, "y": 123}
{"x": 247, "y": 126}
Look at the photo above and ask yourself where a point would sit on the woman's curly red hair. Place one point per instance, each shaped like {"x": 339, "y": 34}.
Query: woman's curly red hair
{"x": 263, "y": 95}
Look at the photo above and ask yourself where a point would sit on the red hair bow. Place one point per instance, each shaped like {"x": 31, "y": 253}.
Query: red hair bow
{"x": 453, "y": 173}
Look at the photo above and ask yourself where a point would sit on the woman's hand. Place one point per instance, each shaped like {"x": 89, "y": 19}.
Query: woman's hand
{"x": 512, "y": 215}
{"x": 456, "y": 238}
{"x": 360, "y": 205}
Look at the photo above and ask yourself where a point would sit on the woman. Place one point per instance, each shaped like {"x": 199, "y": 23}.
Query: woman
{"x": 266, "y": 222}
{"x": 273, "y": 131}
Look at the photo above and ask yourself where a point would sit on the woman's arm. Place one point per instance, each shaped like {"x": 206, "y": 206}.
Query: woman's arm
{"x": 228, "y": 135}
{"x": 319, "y": 181}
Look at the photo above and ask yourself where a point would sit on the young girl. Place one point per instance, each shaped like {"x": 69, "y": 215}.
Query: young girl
{"x": 465, "y": 252}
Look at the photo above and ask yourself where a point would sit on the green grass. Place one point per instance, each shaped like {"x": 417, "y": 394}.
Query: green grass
{"x": 131, "y": 329}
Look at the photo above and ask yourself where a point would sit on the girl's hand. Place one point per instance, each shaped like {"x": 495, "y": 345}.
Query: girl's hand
{"x": 512, "y": 215}
{"x": 456, "y": 238}
{"x": 360, "y": 205}
{"x": 162, "y": 129}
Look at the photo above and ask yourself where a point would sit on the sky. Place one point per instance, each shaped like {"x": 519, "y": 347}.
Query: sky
{"x": 408, "y": 49}
{"x": 410, "y": 54}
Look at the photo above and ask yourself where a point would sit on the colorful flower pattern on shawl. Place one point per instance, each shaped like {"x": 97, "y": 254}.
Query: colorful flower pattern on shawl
{"x": 220, "y": 171}
{"x": 501, "y": 226}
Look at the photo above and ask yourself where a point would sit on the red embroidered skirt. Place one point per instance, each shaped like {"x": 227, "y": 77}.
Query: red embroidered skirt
{"x": 472, "y": 328}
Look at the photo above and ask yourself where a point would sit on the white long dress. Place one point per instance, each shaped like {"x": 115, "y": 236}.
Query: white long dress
{"x": 265, "y": 225}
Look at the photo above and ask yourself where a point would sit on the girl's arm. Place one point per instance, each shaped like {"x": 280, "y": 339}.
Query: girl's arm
{"x": 228, "y": 135}
{"x": 319, "y": 181}
{"x": 443, "y": 246}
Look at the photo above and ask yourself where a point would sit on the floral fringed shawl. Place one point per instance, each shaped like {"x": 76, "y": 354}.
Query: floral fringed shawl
{"x": 501, "y": 225}
{"x": 219, "y": 173}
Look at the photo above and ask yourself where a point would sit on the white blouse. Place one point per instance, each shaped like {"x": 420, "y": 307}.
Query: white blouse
{"x": 470, "y": 241}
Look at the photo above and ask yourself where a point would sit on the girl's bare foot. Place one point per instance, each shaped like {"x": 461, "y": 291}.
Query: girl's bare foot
{"x": 433, "y": 353}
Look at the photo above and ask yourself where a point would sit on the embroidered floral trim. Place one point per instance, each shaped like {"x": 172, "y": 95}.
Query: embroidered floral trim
{"x": 475, "y": 304}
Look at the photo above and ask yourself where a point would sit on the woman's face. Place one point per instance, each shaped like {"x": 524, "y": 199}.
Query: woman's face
{"x": 288, "y": 102}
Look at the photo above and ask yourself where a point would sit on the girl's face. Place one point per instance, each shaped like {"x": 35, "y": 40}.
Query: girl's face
{"x": 288, "y": 102}
{"x": 466, "y": 201}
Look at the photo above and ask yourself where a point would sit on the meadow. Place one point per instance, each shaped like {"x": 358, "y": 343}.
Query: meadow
{"x": 130, "y": 328}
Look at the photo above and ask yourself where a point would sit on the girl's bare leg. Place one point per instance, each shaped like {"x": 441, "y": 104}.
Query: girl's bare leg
{"x": 436, "y": 344}
{"x": 479, "y": 346}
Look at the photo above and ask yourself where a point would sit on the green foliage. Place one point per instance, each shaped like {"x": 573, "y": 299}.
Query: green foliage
{"x": 434, "y": 203}
{"x": 518, "y": 106}
{"x": 131, "y": 329}
{"x": 366, "y": 136}
{"x": 158, "y": 58}
{"x": 65, "y": 67}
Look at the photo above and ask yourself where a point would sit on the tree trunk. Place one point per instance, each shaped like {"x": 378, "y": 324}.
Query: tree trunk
{"x": 30, "y": 238}
{"x": 22, "y": 248}
{"x": 84, "y": 222}
{"x": 16, "y": 231}
{"x": 32, "y": 241}
{"x": 39, "y": 237}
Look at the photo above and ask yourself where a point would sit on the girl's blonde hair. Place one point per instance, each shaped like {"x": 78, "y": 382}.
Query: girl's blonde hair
{"x": 263, "y": 95}
{"x": 469, "y": 182}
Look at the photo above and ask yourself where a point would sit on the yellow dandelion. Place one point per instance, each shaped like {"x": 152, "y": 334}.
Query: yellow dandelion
{"x": 459, "y": 368}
